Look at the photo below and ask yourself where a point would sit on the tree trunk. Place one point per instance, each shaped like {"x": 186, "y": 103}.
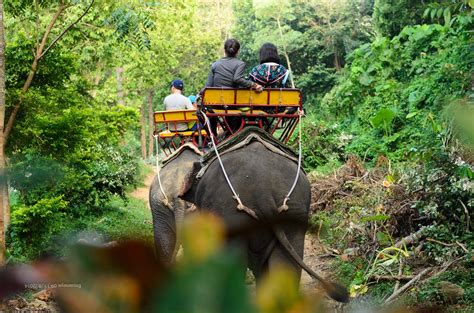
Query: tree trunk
{"x": 289, "y": 68}
{"x": 96, "y": 85}
{"x": 38, "y": 55}
{"x": 5, "y": 131}
{"x": 143, "y": 130}
{"x": 151, "y": 123}
{"x": 337, "y": 63}
{"x": 4, "y": 201}
{"x": 120, "y": 97}
{"x": 286, "y": 53}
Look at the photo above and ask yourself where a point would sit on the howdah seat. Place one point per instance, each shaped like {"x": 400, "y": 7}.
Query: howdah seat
{"x": 176, "y": 127}
{"x": 229, "y": 110}
{"x": 275, "y": 110}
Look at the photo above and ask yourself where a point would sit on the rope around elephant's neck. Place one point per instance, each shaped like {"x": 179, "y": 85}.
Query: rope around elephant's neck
{"x": 240, "y": 205}
{"x": 284, "y": 206}
{"x": 166, "y": 202}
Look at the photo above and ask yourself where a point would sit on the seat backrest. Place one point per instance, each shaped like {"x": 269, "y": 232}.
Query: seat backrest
{"x": 282, "y": 97}
{"x": 175, "y": 116}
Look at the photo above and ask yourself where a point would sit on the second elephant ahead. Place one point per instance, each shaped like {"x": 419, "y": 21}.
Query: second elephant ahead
{"x": 167, "y": 209}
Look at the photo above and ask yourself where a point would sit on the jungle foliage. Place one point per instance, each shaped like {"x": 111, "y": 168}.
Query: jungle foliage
{"x": 387, "y": 83}
{"x": 73, "y": 147}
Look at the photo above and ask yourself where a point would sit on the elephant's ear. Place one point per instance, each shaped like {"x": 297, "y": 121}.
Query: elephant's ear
{"x": 189, "y": 183}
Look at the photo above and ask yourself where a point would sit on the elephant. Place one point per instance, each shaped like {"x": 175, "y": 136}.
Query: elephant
{"x": 267, "y": 229}
{"x": 168, "y": 212}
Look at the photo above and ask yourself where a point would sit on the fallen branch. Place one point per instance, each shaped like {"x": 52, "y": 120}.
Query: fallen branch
{"x": 462, "y": 246}
{"x": 328, "y": 255}
{"x": 411, "y": 239}
{"x": 400, "y": 271}
{"x": 440, "y": 242}
{"x": 407, "y": 285}
{"x": 443, "y": 269}
{"x": 468, "y": 217}
{"x": 329, "y": 250}
{"x": 390, "y": 277}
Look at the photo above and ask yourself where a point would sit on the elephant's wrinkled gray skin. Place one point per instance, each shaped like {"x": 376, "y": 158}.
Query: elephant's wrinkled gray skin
{"x": 168, "y": 217}
{"x": 262, "y": 179}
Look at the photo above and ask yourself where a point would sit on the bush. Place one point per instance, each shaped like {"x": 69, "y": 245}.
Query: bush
{"x": 67, "y": 151}
{"x": 392, "y": 97}
{"x": 32, "y": 226}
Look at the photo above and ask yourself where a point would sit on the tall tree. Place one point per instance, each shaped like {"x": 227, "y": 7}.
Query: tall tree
{"x": 143, "y": 129}
{"x": 120, "y": 91}
{"x": 40, "y": 50}
{"x": 244, "y": 29}
{"x": 278, "y": 16}
{"x": 4, "y": 201}
{"x": 151, "y": 123}
{"x": 338, "y": 27}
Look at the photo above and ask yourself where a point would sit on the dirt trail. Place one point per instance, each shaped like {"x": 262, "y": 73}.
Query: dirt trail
{"x": 317, "y": 259}
{"x": 142, "y": 192}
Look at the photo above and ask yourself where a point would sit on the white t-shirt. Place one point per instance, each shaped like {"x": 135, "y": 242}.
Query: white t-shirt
{"x": 176, "y": 101}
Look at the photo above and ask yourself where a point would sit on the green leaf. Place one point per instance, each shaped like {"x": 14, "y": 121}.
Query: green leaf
{"x": 411, "y": 114}
{"x": 382, "y": 238}
{"x": 465, "y": 172}
{"x": 440, "y": 12}
{"x": 357, "y": 290}
{"x": 413, "y": 97}
{"x": 471, "y": 3}
{"x": 447, "y": 17}
{"x": 427, "y": 11}
{"x": 365, "y": 79}
{"x": 383, "y": 117}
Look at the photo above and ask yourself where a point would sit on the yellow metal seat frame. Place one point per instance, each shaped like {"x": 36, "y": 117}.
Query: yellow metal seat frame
{"x": 166, "y": 127}
{"x": 272, "y": 109}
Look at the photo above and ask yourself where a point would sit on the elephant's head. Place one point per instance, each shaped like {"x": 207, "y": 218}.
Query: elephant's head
{"x": 189, "y": 184}
{"x": 167, "y": 209}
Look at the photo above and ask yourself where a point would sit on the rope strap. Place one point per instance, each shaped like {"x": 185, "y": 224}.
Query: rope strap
{"x": 284, "y": 206}
{"x": 240, "y": 205}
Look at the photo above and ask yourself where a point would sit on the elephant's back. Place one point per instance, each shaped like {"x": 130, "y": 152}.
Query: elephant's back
{"x": 261, "y": 177}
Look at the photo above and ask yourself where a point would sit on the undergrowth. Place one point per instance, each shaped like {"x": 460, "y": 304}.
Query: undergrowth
{"x": 119, "y": 219}
{"x": 362, "y": 214}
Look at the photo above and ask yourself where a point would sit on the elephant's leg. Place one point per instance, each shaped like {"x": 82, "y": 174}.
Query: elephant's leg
{"x": 164, "y": 231}
{"x": 237, "y": 247}
{"x": 259, "y": 261}
{"x": 179, "y": 211}
{"x": 279, "y": 254}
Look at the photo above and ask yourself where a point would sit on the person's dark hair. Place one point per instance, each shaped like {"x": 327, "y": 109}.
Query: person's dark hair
{"x": 231, "y": 47}
{"x": 269, "y": 53}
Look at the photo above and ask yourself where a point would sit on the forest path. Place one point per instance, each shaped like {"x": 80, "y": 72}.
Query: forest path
{"x": 141, "y": 193}
{"x": 317, "y": 258}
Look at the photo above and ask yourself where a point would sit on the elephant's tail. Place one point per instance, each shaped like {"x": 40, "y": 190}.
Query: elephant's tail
{"x": 334, "y": 290}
